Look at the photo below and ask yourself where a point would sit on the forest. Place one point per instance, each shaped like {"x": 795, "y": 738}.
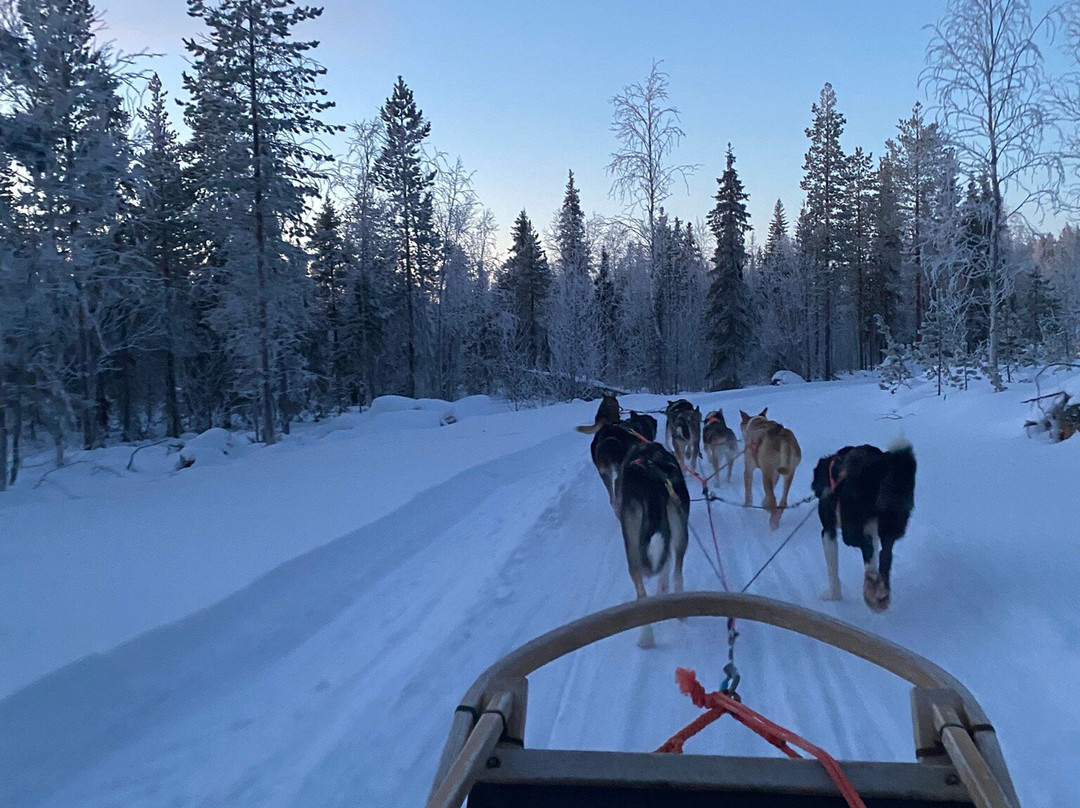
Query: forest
{"x": 175, "y": 261}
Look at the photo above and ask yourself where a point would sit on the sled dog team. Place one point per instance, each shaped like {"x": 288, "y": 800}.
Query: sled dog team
{"x": 868, "y": 492}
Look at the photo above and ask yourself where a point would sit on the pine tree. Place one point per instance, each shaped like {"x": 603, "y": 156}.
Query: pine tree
{"x": 882, "y": 280}
{"x": 165, "y": 229}
{"x": 728, "y": 299}
{"x": 922, "y": 163}
{"x": 527, "y": 279}
{"x": 399, "y": 172}
{"x": 826, "y": 227}
{"x": 572, "y": 320}
{"x": 330, "y": 270}
{"x": 254, "y": 112}
{"x": 778, "y": 238}
{"x": 861, "y": 197}
{"x": 607, "y": 306}
{"x": 63, "y": 130}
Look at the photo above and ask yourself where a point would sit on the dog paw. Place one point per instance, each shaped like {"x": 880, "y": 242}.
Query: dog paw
{"x": 876, "y": 594}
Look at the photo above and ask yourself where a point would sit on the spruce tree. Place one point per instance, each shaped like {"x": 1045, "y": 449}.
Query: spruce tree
{"x": 778, "y": 237}
{"x": 330, "y": 270}
{"x": 883, "y": 271}
{"x": 861, "y": 196}
{"x": 527, "y": 279}
{"x": 728, "y": 299}
{"x": 826, "y": 226}
{"x": 166, "y": 230}
{"x": 63, "y": 131}
{"x": 400, "y": 172}
{"x": 572, "y": 321}
{"x": 254, "y": 113}
{"x": 607, "y": 306}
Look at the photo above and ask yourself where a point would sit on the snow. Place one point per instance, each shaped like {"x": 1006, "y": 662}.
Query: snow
{"x": 293, "y": 625}
{"x": 786, "y": 377}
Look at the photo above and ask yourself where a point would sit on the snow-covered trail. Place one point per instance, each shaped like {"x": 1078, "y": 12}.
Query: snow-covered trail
{"x": 331, "y": 679}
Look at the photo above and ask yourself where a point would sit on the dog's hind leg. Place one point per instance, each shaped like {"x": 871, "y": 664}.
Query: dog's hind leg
{"x": 827, "y": 514}
{"x": 875, "y": 590}
{"x": 748, "y": 479}
{"x": 632, "y": 520}
{"x": 679, "y": 539}
{"x": 768, "y": 480}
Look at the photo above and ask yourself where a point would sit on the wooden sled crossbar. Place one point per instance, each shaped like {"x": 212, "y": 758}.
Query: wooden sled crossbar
{"x": 960, "y": 760}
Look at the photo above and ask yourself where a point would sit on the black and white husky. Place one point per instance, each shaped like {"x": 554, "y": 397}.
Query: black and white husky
{"x": 653, "y": 504}
{"x": 612, "y": 442}
{"x": 871, "y": 494}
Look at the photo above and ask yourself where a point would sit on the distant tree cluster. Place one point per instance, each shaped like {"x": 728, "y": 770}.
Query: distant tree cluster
{"x": 243, "y": 276}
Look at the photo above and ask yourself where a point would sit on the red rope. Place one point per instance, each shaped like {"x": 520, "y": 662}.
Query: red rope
{"x": 717, "y": 704}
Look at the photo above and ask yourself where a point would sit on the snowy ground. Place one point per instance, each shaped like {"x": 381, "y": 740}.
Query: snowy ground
{"x": 293, "y": 626}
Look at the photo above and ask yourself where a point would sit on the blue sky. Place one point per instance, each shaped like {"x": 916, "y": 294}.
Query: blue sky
{"x": 521, "y": 91}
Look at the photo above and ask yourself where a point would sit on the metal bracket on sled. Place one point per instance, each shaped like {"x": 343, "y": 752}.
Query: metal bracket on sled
{"x": 944, "y": 735}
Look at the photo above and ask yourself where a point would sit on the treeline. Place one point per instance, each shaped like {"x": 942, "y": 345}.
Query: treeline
{"x": 241, "y": 275}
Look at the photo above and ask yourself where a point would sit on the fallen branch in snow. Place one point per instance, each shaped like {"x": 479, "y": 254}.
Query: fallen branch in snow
{"x": 57, "y": 468}
{"x": 102, "y": 467}
{"x": 131, "y": 460}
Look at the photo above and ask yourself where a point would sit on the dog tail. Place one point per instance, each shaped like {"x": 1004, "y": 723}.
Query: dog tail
{"x": 591, "y": 429}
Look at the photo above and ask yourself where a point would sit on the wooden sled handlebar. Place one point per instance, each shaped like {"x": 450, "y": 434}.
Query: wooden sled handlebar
{"x": 946, "y": 716}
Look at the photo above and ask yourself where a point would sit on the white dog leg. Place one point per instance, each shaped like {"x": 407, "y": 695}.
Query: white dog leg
{"x": 829, "y": 545}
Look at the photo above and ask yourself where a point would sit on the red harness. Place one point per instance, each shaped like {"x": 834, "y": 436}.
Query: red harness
{"x": 833, "y": 481}
{"x": 712, "y": 419}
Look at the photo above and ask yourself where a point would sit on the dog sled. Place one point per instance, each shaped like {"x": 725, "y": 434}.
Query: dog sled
{"x": 959, "y": 761}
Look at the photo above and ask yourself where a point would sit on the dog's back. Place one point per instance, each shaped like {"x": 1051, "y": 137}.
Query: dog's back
{"x": 896, "y": 493}
{"x": 653, "y": 507}
{"x": 716, "y": 432}
{"x": 774, "y": 445}
{"x": 641, "y": 423}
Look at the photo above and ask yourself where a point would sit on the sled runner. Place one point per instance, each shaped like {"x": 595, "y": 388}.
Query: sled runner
{"x": 484, "y": 759}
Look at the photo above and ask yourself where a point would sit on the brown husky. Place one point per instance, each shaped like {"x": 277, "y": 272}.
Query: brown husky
{"x": 720, "y": 445}
{"x": 606, "y": 413}
{"x": 773, "y": 449}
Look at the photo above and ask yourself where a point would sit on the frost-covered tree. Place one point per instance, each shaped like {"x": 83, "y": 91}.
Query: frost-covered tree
{"x": 165, "y": 229}
{"x": 573, "y": 326}
{"x": 63, "y": 132}
{"x": 401, "y": 173}
{"x": 922, "y": 163}
{"x": 824, "y": 223}
{"x": 987, "y": 72}
{"x": 255, "y": 117}
{"x": 727, "y": 314}
{"x": 862, "y": 198}
{"x": 527, "y": 281}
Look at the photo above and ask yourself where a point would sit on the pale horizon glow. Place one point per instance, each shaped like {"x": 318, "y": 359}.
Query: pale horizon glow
{"x": 522, "y": 93}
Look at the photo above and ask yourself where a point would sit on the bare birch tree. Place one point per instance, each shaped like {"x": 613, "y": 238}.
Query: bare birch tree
{"x": 986, "y": 69}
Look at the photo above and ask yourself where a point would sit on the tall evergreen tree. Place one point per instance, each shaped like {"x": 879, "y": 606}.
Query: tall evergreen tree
{"x": 527, "y": 278}
{"x": 861, "y": 196}
{"x": 572, "y": 319}
{"x": 885, "y": 259}
{"x": 63, "y": 133}
{"x": 825, "y": 229}
{"x": 165, "y": 229}
{"x": 401, "y": 174}
{"x": 254, "y": 112}
{"x": 606, "y": 304}
{"x": 728, "y": 299}
{"x": 778, "y": 237}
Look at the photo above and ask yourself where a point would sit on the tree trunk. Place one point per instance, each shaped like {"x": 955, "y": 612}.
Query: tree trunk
{"x": 3, "y": 447}
{"x": 16, "y": 433}
{"x": 260, "y": 242}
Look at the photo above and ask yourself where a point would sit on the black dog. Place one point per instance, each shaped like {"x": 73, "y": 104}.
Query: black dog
{"x": 612, "y": 442}
{"x": 872, "y": 494}
{"x": 653, "y": 504}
